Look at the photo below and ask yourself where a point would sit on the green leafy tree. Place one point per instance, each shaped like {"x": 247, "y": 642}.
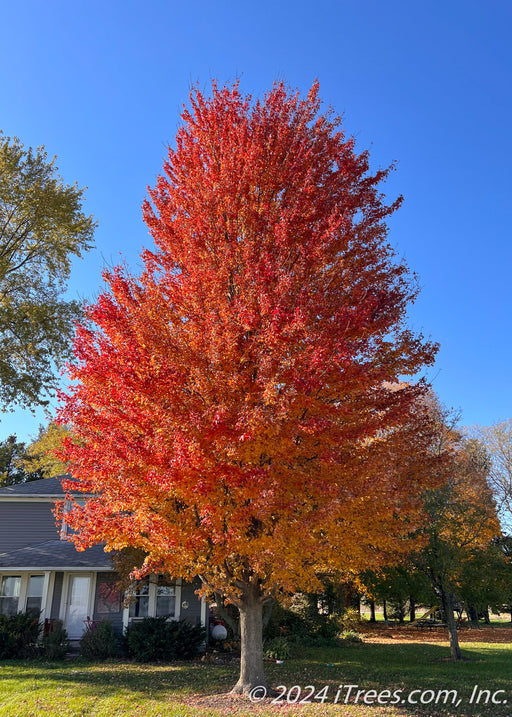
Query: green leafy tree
{"x": 40, "y": 454}
{"x": 485, "y": 580}
{"x": 462, "y": 520}
{"x": 505, "y": 544}
{"x": 401, "y": 587}
{"x": 12, "y": 471}
{"x": 460, "y": 526}
{"x": 42, "y": 227}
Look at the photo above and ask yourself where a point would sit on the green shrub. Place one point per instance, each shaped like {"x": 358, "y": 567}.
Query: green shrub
{"x": 350, "y": 620}
{"x": 285, "y": 623}
{"x": 55, "y": 643}
{"x": 305, "y": 629}
{"x": 350, "y": 636}
{"x": 7, "y": 639}
{"x": 325, "y": 627}
{"x": 155, "y": 639}
{"x": 99, "y": 642}
{"x": 149, "y": 640}
{"x": 276, "y": 649}
{"x": 19, "y": 635}
{"x": 187, "y": 638}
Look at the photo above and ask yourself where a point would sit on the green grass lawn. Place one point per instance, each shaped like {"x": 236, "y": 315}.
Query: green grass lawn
{"x": 78, "y": 688}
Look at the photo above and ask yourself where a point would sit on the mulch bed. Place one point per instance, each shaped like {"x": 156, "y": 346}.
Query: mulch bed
{"x": 233, "y": 703}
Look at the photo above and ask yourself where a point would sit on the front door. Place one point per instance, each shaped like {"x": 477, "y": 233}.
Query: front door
{"x": 77, "y": 605}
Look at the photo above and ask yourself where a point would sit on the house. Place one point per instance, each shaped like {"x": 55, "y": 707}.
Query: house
{"x": 40, "y": 570}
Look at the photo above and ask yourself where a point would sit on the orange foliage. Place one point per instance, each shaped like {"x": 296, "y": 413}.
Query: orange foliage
{"x": 237, "y": 410}
{"x": 465, "y": 510}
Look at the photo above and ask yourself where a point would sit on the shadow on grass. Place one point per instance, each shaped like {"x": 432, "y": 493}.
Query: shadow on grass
{"x": 116, "y": 676}
{"x": 419, "y": 671}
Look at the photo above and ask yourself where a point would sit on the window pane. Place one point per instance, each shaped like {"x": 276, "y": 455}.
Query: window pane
{"x": 139, "y": 607}
{"x": 9, "y": 594}
{"x": 8, "y": 606}
{"x": 35, "y": 586}
{"x": 68, "y": 506}
{"x": 35, "y": 593}
{"x": 34, "y": 604}
{"x": 165, "y": 605}
{"x": 10, "y": 586}
{"x": 165, "y": 600}
{"x": 166, "y": 590}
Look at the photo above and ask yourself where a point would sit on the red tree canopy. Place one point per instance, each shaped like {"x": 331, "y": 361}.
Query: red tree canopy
{"x": 238, "y": 409}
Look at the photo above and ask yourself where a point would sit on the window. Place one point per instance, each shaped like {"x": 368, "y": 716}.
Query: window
{"x": 21, "y": 593}
{"x": 153, "y": 597}
{"x": 35, "y": 593}
{"x": 10, "y": 594}
{"x": 65, "y": 529}
{"x": 140, "y": 603}
{"x": 165, "y": 599}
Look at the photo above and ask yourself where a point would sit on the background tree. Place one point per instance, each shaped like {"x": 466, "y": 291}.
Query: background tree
{"x": 480, "y": 579}
{"x": 12, "y": 471}
{"x": 504, "y": 543}
{"x": 498, "y": 442}
{"x": 485, "y": 581}
{"x": 400, "y": 588}
{"x": 460, "y": 530}
{"x": 42, "y": 228}
{"x": 462, "y": 520}
{"x": 41, "y": 454}
{"x": 237, "y": 408}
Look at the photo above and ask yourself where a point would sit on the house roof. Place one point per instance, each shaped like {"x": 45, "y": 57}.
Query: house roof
{"x": 44, "y": 487}
{"x": 56, "y": 555}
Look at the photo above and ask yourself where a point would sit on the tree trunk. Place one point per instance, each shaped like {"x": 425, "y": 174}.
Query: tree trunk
{"x": 385, "y": 610}
{"x": 372, "y": 611}
{"x": 251, "y": 629}
{"x": 472, "y": 615}
{"x": 226, "y": 614}
{"x": 412, "y": 609}
{"x": 447, "y": 602}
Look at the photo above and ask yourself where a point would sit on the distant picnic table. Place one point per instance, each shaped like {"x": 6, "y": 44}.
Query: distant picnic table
{"x": 428, "y": 624}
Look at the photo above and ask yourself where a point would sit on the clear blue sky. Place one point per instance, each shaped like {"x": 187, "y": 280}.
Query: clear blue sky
{"x": 427, "y": 84}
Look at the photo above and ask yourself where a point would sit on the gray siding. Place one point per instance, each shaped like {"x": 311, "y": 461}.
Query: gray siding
{"x": 193, "y": 613}
{"x": 107, "y": 594}
{"x": 57, "y": 594}
{"x": 26, "y": 523}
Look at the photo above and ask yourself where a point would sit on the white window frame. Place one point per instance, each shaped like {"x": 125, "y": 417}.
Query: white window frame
{"x": 25, "y": 578}
{"x": 152, "y": 596}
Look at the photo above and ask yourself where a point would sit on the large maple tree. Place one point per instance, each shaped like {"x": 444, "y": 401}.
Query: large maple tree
{"x": 238, "y": 409}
